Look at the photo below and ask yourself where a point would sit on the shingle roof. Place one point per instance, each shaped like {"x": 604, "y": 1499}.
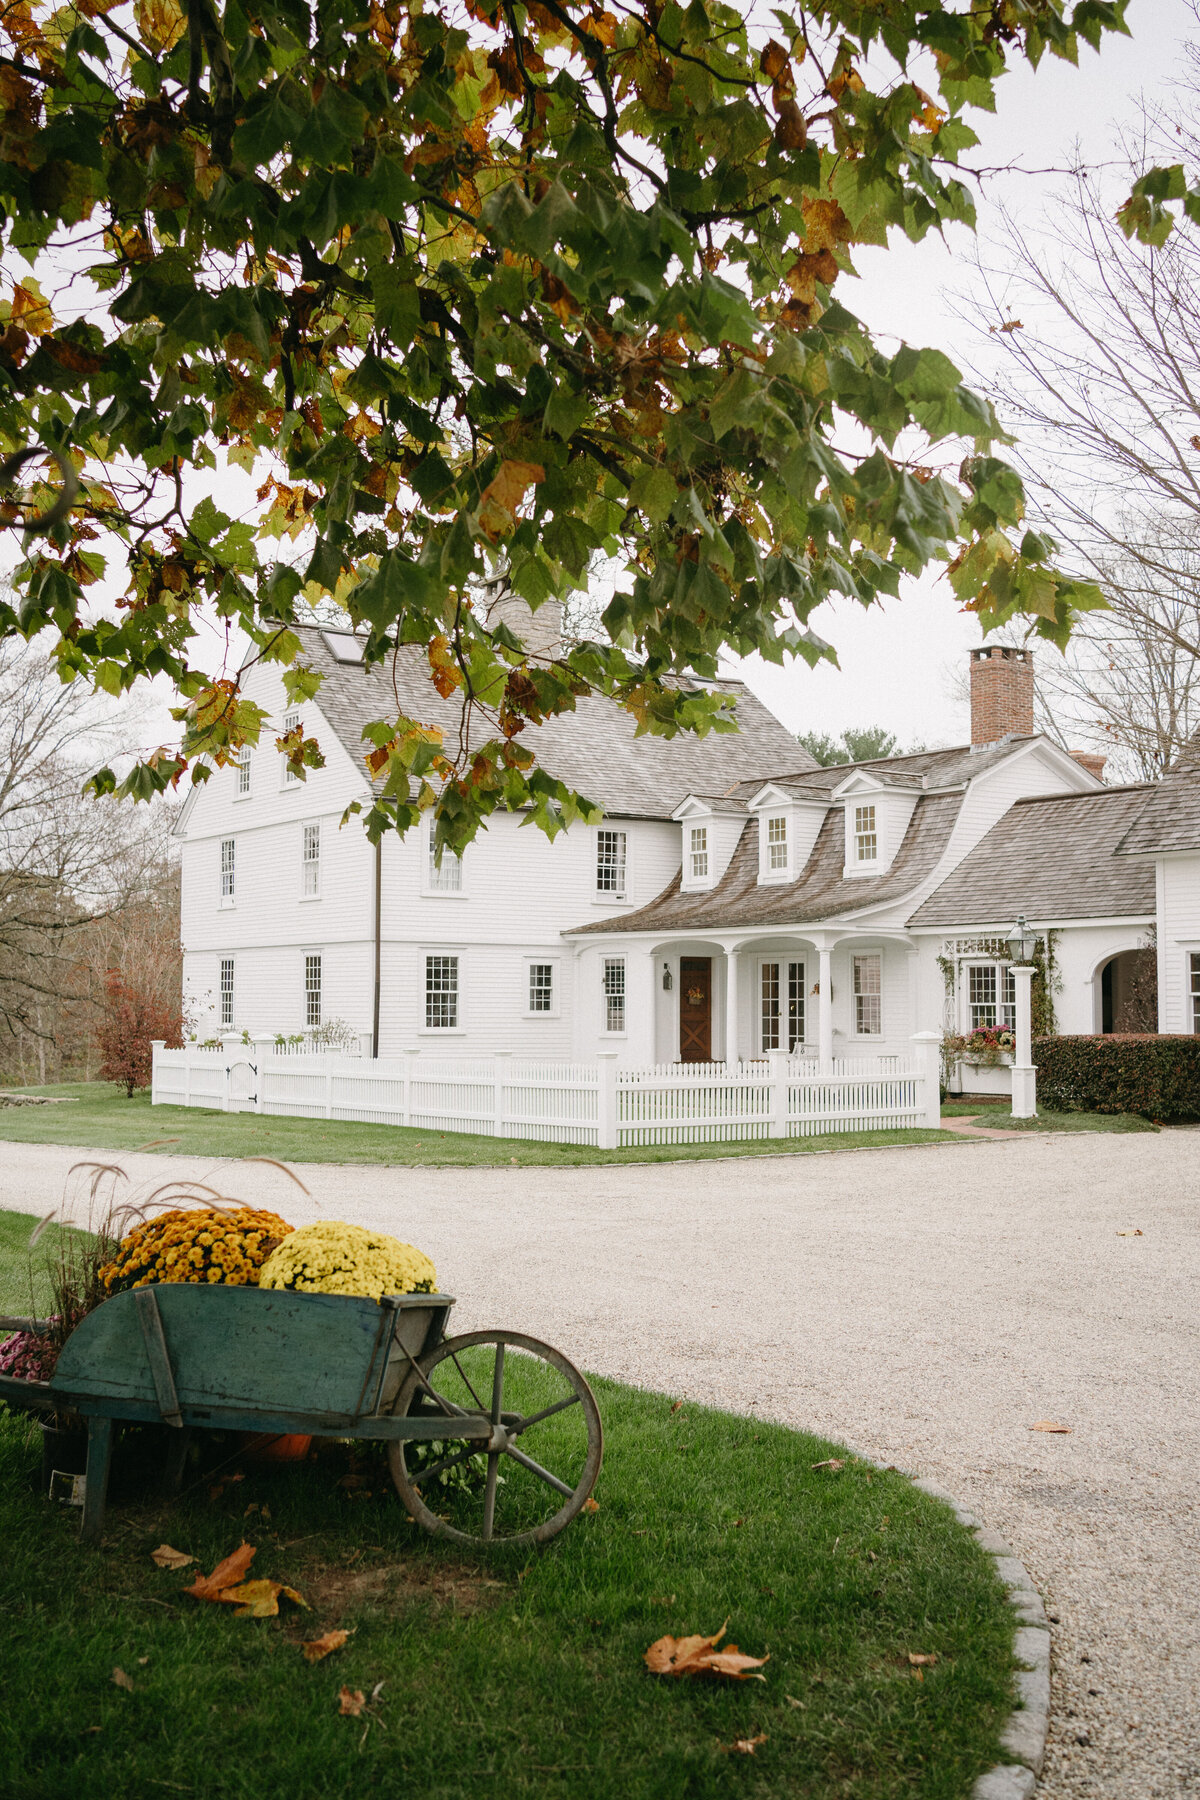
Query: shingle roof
{"x": 1050, "y": 858}
{"x": 820, "y": 891}
{"x": 1170, "y": 819}
{"x": 594, "y": 749}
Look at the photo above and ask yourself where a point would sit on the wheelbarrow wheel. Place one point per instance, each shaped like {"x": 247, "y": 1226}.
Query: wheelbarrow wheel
{"x": 538, "y": 1463}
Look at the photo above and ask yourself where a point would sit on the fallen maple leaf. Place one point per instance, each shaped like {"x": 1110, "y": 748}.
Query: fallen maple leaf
{"x": 351, "y": 1702}
{"x": 226, "y": 1574}
{"x": 745, "y": 1746}
{"x": 253, "y": 1599}
{"x": 918, "y": 1659}
{"x": 1049, "y": 1425}
{"x": 591, "y": 1505}
{"x": 315, "y": 1648}
{"x": 166, "y": 1558}
{"x": 700, "y": 1656}
{"x": 833, "y": 1462}
{"x": 120, "y": 1679}
{"x": 677, "y": 1406}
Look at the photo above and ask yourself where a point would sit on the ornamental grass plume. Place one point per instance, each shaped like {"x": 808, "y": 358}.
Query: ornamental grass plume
{"x": 215, "y": 1245}
{"x": 332, "y": 1258}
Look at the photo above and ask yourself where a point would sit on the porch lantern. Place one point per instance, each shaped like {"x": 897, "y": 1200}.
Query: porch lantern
{"x": 668, "y": 982}
{"x": 1021, "y": 943}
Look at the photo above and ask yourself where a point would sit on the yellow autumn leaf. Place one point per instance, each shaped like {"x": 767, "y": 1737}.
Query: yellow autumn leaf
{"x": 160, "y": 22}
{"x": 30, "y": 311}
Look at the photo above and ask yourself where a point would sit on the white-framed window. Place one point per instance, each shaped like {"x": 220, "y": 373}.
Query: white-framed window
{"x": 777, "y": 845}
{"x": 614, "y": 993}
{"x": 225, "y": 989}
{"x": 441, "y": 993}
{"x": 310, "y": 863}
{"x": 228, "y": 871}
{"x": 243, "y": 772}
{"x": 290, "y": 722}
{"x": 868, "y": 996}
{"x": 781, "y": 1005}
{"x": 866, "y": 838}
{"x": 698, "y": 852}
{"x": 446, "y": 876}
{"x": 1194, "y": 988}
{"x": 542, "y": 998}
{"x": 312, "y": 989}
{"x": 610, "y": 863}
{"x": 990, "y": 996}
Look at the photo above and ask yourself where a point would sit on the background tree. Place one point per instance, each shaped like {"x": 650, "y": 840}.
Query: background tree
{"x": 479, "y": 290}
{"x": 131, "y": 1018}
{"x": 1093, "y": 358}
{"x": 863, "y": 743}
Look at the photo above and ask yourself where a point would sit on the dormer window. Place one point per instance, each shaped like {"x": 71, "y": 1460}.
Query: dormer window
{"x": 699, "y": 852}
{"x": 777, "y": 845}
{"x": 866, "y": 840}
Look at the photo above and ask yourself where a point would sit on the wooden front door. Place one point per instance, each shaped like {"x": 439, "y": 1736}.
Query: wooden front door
{"x": 695, "y": 1009}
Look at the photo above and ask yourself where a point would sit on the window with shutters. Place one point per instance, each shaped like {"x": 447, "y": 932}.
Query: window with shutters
{"x": 610, "y": 864}
{"x": 441, "y": 993}
{"x": 310, "y": 864}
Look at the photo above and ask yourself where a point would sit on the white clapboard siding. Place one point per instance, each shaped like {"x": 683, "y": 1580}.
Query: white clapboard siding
{"x": 558, "y": 1102}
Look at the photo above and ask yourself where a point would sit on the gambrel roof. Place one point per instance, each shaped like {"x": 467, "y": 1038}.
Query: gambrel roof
{"x": 593, "y": 749}
{"x": 1054, "y": 857}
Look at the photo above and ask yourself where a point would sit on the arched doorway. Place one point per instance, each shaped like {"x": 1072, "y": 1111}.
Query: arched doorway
{"x": 1129, "y": 992}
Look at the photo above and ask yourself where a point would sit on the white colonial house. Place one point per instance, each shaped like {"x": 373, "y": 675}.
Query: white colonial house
{"x": 736, "y": 899}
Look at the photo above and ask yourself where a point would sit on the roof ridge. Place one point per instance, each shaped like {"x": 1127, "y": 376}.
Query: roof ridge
{"x": 1121, "y": 787}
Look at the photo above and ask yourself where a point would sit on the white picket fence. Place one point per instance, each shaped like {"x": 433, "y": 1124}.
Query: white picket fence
{"x": 595, "y": 1103}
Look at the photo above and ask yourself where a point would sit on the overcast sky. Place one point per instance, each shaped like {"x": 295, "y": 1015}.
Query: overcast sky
{"x": 897, "y": 664}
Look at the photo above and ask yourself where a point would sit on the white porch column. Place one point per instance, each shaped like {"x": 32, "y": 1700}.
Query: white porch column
{"x": 1024, "y": 1075}
{"x": 731, "y": 1005}
{"x": 825, "y": 1005}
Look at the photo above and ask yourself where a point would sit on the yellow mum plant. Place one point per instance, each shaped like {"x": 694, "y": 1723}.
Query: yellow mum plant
{"x": 196, "y": 1244}
{"x": 332, "y": 1258}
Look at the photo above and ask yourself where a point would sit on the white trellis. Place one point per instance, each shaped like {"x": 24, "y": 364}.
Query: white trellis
{"x": 594, "y": 1103}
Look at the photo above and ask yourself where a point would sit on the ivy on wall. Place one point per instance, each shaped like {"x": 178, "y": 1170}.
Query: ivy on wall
{"x": 1047, "y": 976}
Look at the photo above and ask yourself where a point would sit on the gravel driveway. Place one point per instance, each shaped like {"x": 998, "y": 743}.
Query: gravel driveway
{"x": 926, "y": 1305}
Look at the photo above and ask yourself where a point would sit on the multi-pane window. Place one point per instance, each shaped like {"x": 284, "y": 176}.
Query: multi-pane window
{"x": 868, "y": 981}
{"x": 441, "y": 993}
{"x": 541, "y": 987}
{"x": 1008, "y": 998}
{"x": 614, "y": 993}
{"x": 310, "y": 863}
{"x": 699, "y": 852}
{"x": 290, "y": 721}
{"x": 312, "y": 989}
{"x": 243, "y": 772}
{"x": 226, "y": 990}
{"x": 782, "y": 984}
{"x": 610, "y": 863}
{"x": 445, "y": 876}
{"x": 866, "y": 841}
{"x": 1194, "y": 972}
{"x": 777, "y": 844}
{"x": 228, "y": 869}
{"x": 991, "y": 996}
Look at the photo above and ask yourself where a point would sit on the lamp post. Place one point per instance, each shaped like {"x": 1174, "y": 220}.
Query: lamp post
{"x": 1021, "y": 944}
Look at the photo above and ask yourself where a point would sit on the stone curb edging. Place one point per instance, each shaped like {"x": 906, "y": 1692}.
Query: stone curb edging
{"x": 1024, "y": 1736}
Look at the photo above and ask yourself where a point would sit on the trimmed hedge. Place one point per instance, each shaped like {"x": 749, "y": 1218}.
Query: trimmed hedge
{"x": 1157, "y": 1076}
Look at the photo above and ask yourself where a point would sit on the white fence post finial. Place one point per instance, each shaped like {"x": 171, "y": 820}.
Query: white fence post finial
{"x": 928, "y": 1047}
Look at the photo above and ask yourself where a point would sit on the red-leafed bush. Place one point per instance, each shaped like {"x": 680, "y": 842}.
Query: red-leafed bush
{"x": 130, "y": 1021}
{"x": 1156, "y": 1076}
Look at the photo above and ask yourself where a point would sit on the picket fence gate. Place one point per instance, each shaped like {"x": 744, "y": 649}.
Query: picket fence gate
{"x": 595, "y": 1103}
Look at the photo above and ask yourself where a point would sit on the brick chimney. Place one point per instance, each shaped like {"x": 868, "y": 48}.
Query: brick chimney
{"x": 1001, "y": 694}
{"x": 1087, "y": 759}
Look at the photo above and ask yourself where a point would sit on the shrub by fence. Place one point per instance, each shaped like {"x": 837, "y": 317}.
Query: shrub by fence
{"x": 1156, "y": 1076}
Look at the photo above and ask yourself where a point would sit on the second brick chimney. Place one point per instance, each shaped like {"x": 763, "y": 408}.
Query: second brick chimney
{"x": 1001, "y": 694}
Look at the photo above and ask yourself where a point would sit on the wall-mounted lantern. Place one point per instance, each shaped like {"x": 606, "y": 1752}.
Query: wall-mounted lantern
{"x": 668, "y": 979}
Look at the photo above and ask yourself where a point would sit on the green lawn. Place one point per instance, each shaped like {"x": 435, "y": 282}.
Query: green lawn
{"x": 510, "y": 1672}
{"x": 997, "y": 1116}
{"x": 100, "y": 1117}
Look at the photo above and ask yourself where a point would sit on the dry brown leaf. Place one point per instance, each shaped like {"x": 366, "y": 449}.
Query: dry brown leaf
{"x": 120, "y": 1679}
{"x": 832, "y": 1462}
{"x": 1049, "y": 1425}
{"x": 351, "y": 1702}
{"x": 315, "y": 1648}
{"x": 1129, "y": 1234}
{"x": 699, "y": 1656}
{"x": 226, "y": 1574}
{"x": 675, "y": 1408}
{"x": 918, "y": 1659}
{"x": 166, "y": 1558}
{"x": 591, "y": 1505}
{"x": 253, "y": 1599}
{"x": 744, "y": 1746}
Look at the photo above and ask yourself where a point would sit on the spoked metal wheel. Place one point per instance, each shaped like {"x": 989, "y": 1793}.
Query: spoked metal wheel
{"x": 539, "y": 1461}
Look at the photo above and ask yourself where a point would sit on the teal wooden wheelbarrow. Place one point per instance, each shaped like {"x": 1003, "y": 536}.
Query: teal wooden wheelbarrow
{"x": 492, "y": 1436}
